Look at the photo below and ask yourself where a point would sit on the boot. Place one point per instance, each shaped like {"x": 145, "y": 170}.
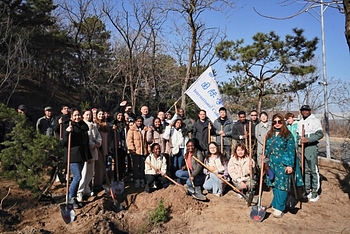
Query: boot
{"x": 142, "y": 183}
{"x": 198, "y": 194}
{"x": 137, "y": 183}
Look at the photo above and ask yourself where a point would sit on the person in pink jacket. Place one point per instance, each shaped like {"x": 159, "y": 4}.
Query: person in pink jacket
{"x": 239, "y": 169}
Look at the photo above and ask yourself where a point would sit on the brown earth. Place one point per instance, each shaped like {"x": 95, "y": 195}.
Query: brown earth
{"x": 228, "y": 214}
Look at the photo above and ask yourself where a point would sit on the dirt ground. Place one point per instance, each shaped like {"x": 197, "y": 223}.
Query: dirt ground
{"x": 228, "y": 214}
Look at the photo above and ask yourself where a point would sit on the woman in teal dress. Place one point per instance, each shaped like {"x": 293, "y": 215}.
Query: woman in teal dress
{"x": 280, "y": 149}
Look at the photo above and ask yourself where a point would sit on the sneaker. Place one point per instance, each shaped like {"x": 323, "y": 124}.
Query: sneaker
{"x": 314, "y": 197}
{"x": 277, "y": 213}
{"x": 137, "y": 183}
{"x": 154, "y": 185}
{"x": 239, "y": 196}
{"x": 142, "y": 184}
{"x": 148, "y": 189}
{"x": 80, "y": 197}
{"x": 218, "y": 194}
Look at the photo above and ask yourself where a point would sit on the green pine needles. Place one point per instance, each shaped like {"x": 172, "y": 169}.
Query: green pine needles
{"x": 28, "y": 157}
{"x": 160, "y": 214}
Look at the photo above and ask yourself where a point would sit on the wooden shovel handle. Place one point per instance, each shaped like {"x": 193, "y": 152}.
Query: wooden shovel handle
{"x": 302, "y": 149}
{"x": 221, "y": 141}
{"x": 233, "y": 187}
{"x": 68, "y": 161}
{"x": 262, "y": 167}
{"x": 163, "y": 174}
{"x": 250, "y": 150}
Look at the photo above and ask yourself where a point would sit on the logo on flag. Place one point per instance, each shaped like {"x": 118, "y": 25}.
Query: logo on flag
{"x": 205, "y": 93}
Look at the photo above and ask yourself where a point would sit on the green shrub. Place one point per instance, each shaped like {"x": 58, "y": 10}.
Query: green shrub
{"x": 159, "y": 215}
{"x": 28, "y": 156}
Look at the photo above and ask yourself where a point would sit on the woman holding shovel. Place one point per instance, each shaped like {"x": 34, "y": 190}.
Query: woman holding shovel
{"x": 280, "y": 149}
{"x": 79, "y": 152}
{"x": 191, "y": 171}
{"x": 217, "y": 162}
{"x": 155, "y": 168}
{"x": 239, "y": 169}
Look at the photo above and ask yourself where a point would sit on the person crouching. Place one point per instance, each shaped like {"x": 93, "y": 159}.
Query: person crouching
{"x": 154, "y": 176}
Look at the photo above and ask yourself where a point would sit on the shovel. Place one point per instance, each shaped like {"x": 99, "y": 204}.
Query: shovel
{"x": 117, "y": 185}
{"x": 67, "y": 210}
{"x": 195, "y": 192}
{"x": 258, "y": 212}
{"x": 109, "y": 189}
{"x": 228, "y": 183}
{"x": 165, "y": 175}
{"x": 251, "y": 189}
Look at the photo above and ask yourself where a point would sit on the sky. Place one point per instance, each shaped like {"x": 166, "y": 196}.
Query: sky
{"x": 244, "y": 22}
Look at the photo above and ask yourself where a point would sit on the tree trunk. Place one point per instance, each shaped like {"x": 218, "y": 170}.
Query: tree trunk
{"x": 347, "y": 20}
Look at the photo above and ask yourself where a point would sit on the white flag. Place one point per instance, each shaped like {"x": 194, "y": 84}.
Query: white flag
{"x": 205, "y": 93}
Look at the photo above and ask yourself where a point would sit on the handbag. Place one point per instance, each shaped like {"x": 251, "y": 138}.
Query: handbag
{"x": 292, "y": 199}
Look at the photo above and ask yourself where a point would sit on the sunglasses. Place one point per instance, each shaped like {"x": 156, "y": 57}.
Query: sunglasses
{"x": 277, "y": 122}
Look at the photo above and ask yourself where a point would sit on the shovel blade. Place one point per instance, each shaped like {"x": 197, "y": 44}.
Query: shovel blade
{"x": 250, "y": 198}
{"x": 118, "y": 187}
{"x": 258, "y": 213}
{"x": 67, "y": 212}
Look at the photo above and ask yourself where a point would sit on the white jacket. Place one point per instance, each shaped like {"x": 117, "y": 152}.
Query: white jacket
{"x": 159, "y": 163}
{"x": 177, "y": 140}
{"x": 94, "y": 137}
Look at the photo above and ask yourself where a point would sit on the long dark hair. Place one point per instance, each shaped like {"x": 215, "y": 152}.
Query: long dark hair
{"x": 222, "y": 157}
{"x": 160, "y": 128}
{"x": 284, "y": 132}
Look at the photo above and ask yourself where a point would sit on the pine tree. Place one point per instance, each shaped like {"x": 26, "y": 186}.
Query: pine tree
{"x": 28, "y": 156}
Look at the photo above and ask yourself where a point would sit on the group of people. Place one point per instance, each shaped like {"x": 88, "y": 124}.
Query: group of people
{"x": 202, "y": 155}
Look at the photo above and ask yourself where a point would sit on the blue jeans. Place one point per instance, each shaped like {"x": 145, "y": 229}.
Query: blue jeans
{"x": 76, "y": 169}
{"x": 177, "y": 159}
{"x": 184, "y": 176}
{"x": 213, "y": 183}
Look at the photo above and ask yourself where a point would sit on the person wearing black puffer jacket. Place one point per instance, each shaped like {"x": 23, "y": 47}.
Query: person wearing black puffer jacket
{"x": 79, "y": 152}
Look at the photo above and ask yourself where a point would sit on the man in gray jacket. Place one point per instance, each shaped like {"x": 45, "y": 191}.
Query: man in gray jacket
{"x": 223, "y": 131}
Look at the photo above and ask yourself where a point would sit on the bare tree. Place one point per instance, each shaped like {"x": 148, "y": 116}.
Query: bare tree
{"x": 13, "y": 58}
{"x": 199, "y": 43}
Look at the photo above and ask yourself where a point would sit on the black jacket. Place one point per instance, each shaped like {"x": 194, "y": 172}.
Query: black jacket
{"x": 80, "y": 151}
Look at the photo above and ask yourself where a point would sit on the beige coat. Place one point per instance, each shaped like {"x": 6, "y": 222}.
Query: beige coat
{"x": 239, "y": 169}
{"x": 94, "y": 138}
{"x": 159, "y": 163}
{"x": 136, "y": 141}
{"x": 156, "y": 137}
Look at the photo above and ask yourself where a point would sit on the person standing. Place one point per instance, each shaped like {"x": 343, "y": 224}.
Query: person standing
{"x": 147, "y": 118}
{"x": 63, "y": 119}
{"x": 138, "y": 148}
{"x": 280, "y": 152}
{"x": 255, "y": 121}
{"x": 260, "y": 131}
{"x": 120, "y": 127}
{"x": 177, "y": 137}
{"x": 238, "y": 132}
{"x": 223, "y": 129}
{"x": 200, "y": 131}
{"x": 95, "y": 141}
{"x": 292, "y": 125}
{"x": 22, "y": 109}
{"x": 47, "y": 124}
{"x": 79, "y": 152}
{"x": 313, "y": 133}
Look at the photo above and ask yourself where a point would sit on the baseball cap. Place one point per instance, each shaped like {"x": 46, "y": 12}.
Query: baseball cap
{"x": 22, "y": 107}
{"x": 305, "y": 107}
{"x": 48, "y": 108}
